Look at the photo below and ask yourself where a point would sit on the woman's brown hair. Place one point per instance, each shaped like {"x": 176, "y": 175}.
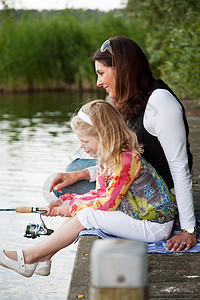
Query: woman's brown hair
{"x": 134, "y": 79}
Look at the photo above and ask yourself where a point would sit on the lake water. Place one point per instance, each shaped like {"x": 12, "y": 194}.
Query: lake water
{"x": 36, "y": 141}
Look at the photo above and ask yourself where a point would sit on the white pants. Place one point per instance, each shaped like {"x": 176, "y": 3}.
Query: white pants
{"x": 119, "y": 224}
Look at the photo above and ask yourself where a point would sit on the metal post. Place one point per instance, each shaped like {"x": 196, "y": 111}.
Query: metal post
{"x": 118, "y": 270}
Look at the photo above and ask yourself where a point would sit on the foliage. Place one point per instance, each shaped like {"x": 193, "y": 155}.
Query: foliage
{"x": 172, "y": 41}
{"x": 53, "y": 48}
{"x": 42, "y": 51}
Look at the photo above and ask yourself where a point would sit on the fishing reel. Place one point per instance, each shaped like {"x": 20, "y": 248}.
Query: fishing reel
{"x": 35, "y": 230}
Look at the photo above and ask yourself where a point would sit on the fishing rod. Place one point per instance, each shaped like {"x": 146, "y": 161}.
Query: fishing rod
{"x": 7, "y": 209}
{"x": 33, "y": 230}
{"x": 27, "y": 209}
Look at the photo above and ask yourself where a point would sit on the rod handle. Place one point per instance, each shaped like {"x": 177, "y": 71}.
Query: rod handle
{"x": 29, "y": 209}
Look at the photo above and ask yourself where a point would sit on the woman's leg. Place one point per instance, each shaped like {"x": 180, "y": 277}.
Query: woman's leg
{"x": 82, "y": 186}
{"x": 121, "y": 225}
{"x": 61, "y": 238}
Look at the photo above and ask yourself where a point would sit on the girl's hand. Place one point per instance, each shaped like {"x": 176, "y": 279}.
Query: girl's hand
{"x": 51, "y": 211}
{"x": 63, "y": 210}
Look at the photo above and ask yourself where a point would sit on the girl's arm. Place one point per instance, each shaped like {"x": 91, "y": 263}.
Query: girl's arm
{"x": 108, "y": 197}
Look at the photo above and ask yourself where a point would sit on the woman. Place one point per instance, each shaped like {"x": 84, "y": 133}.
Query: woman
{"x": 155, "y": 114}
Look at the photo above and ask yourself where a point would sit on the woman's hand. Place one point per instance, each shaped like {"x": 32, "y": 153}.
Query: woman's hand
{"x": 181, "y": 241}
{"x": 65, "y": 179}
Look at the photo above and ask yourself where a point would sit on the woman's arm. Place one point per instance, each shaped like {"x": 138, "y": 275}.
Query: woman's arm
{"x": 164, "y": 118}
{"x": 65, "y": 179}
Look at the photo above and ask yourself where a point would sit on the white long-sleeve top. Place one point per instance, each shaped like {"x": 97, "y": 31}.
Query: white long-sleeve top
{"x": 163, "y": 118}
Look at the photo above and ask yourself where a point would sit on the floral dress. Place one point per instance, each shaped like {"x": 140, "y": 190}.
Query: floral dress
{"x": 133, "y": 187}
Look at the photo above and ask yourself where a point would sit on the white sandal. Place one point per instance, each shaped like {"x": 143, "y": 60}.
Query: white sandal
{"x": 43, "y": 268}
{"x": 18, "y": 266}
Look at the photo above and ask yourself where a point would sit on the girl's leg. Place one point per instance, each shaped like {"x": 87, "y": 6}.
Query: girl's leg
{"x": 61, "y": 238}
{"x": 121, "y": 225}
{"x": 48, "y": 257}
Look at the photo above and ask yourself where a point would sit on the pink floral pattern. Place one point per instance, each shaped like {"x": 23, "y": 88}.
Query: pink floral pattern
{"x": 110, "y": 189}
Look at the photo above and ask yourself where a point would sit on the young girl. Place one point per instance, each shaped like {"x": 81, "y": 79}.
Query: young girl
{"x": 126, "y": 184}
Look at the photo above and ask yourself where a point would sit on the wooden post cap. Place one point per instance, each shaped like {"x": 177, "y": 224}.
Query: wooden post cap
{"x": 119, "y": 263}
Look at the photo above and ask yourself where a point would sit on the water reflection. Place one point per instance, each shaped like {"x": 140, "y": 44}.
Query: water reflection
{"x": 35, "y": 141}
{"x": 32, "y": 110}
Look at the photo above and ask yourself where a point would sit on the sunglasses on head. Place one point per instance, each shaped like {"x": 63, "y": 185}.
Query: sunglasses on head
{"x": 106, "y": 46}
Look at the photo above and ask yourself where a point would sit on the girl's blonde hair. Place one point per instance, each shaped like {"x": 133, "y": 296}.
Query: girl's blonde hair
{"x": 109, "y": 126}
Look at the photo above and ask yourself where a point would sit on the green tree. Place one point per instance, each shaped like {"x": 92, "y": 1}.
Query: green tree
{"x": 172, "y": 40}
